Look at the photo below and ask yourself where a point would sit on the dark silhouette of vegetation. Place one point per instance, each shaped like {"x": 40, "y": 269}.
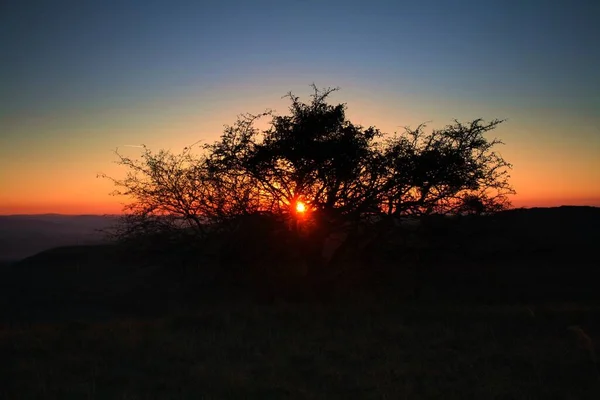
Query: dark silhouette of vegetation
{"x": 316, "y": 155}
{"x": 355, "y": 182}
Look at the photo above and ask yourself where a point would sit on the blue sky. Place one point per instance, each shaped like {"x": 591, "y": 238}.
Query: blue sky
{"x": 79, "y": 78}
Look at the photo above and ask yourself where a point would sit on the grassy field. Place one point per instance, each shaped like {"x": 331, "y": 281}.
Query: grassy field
{"x": 361, "y": 350}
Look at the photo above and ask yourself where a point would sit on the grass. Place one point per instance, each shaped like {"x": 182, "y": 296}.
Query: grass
{"x": 366, "y": 350}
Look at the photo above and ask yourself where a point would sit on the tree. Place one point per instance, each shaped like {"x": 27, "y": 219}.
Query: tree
{"x": 317, "y": 156}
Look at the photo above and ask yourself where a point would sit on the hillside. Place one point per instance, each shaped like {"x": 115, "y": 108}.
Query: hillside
{"x": 89, "y": 321}
{"x": 25, "y": 235}
{"x": 518, "y": 255}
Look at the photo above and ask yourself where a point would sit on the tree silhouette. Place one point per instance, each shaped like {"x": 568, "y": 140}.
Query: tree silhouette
{"x": 339, "y": 170}
{"x": 441, "y": 171}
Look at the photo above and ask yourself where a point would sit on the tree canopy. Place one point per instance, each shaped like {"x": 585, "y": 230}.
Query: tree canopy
{"x": 315, "y": 155}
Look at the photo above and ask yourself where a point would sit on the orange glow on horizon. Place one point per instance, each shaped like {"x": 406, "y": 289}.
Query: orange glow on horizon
{"x": 91, "y": 208}
{"x": 99, "y": 208}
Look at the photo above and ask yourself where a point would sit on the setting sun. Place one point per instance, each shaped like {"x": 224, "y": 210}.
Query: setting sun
{"x": 300, "y": 207}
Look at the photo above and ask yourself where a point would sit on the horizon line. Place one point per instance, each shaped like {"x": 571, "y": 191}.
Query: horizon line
{"x": 121, "y": 214}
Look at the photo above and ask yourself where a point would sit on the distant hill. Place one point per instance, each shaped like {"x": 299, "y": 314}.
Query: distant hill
{"x": 24, "y": 235}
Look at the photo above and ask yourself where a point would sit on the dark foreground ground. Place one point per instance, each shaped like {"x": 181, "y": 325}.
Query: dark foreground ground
{"x": 519, "y": 319}
{"x": 362, "y": 350}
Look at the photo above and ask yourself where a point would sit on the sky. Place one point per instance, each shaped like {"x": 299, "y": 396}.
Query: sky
{"x": 79, "y": 79}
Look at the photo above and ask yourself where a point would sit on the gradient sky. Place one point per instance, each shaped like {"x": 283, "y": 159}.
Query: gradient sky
{"x": 81, "y": 78}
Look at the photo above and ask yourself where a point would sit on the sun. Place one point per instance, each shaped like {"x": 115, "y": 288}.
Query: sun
{"x": 300, "y": 207}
